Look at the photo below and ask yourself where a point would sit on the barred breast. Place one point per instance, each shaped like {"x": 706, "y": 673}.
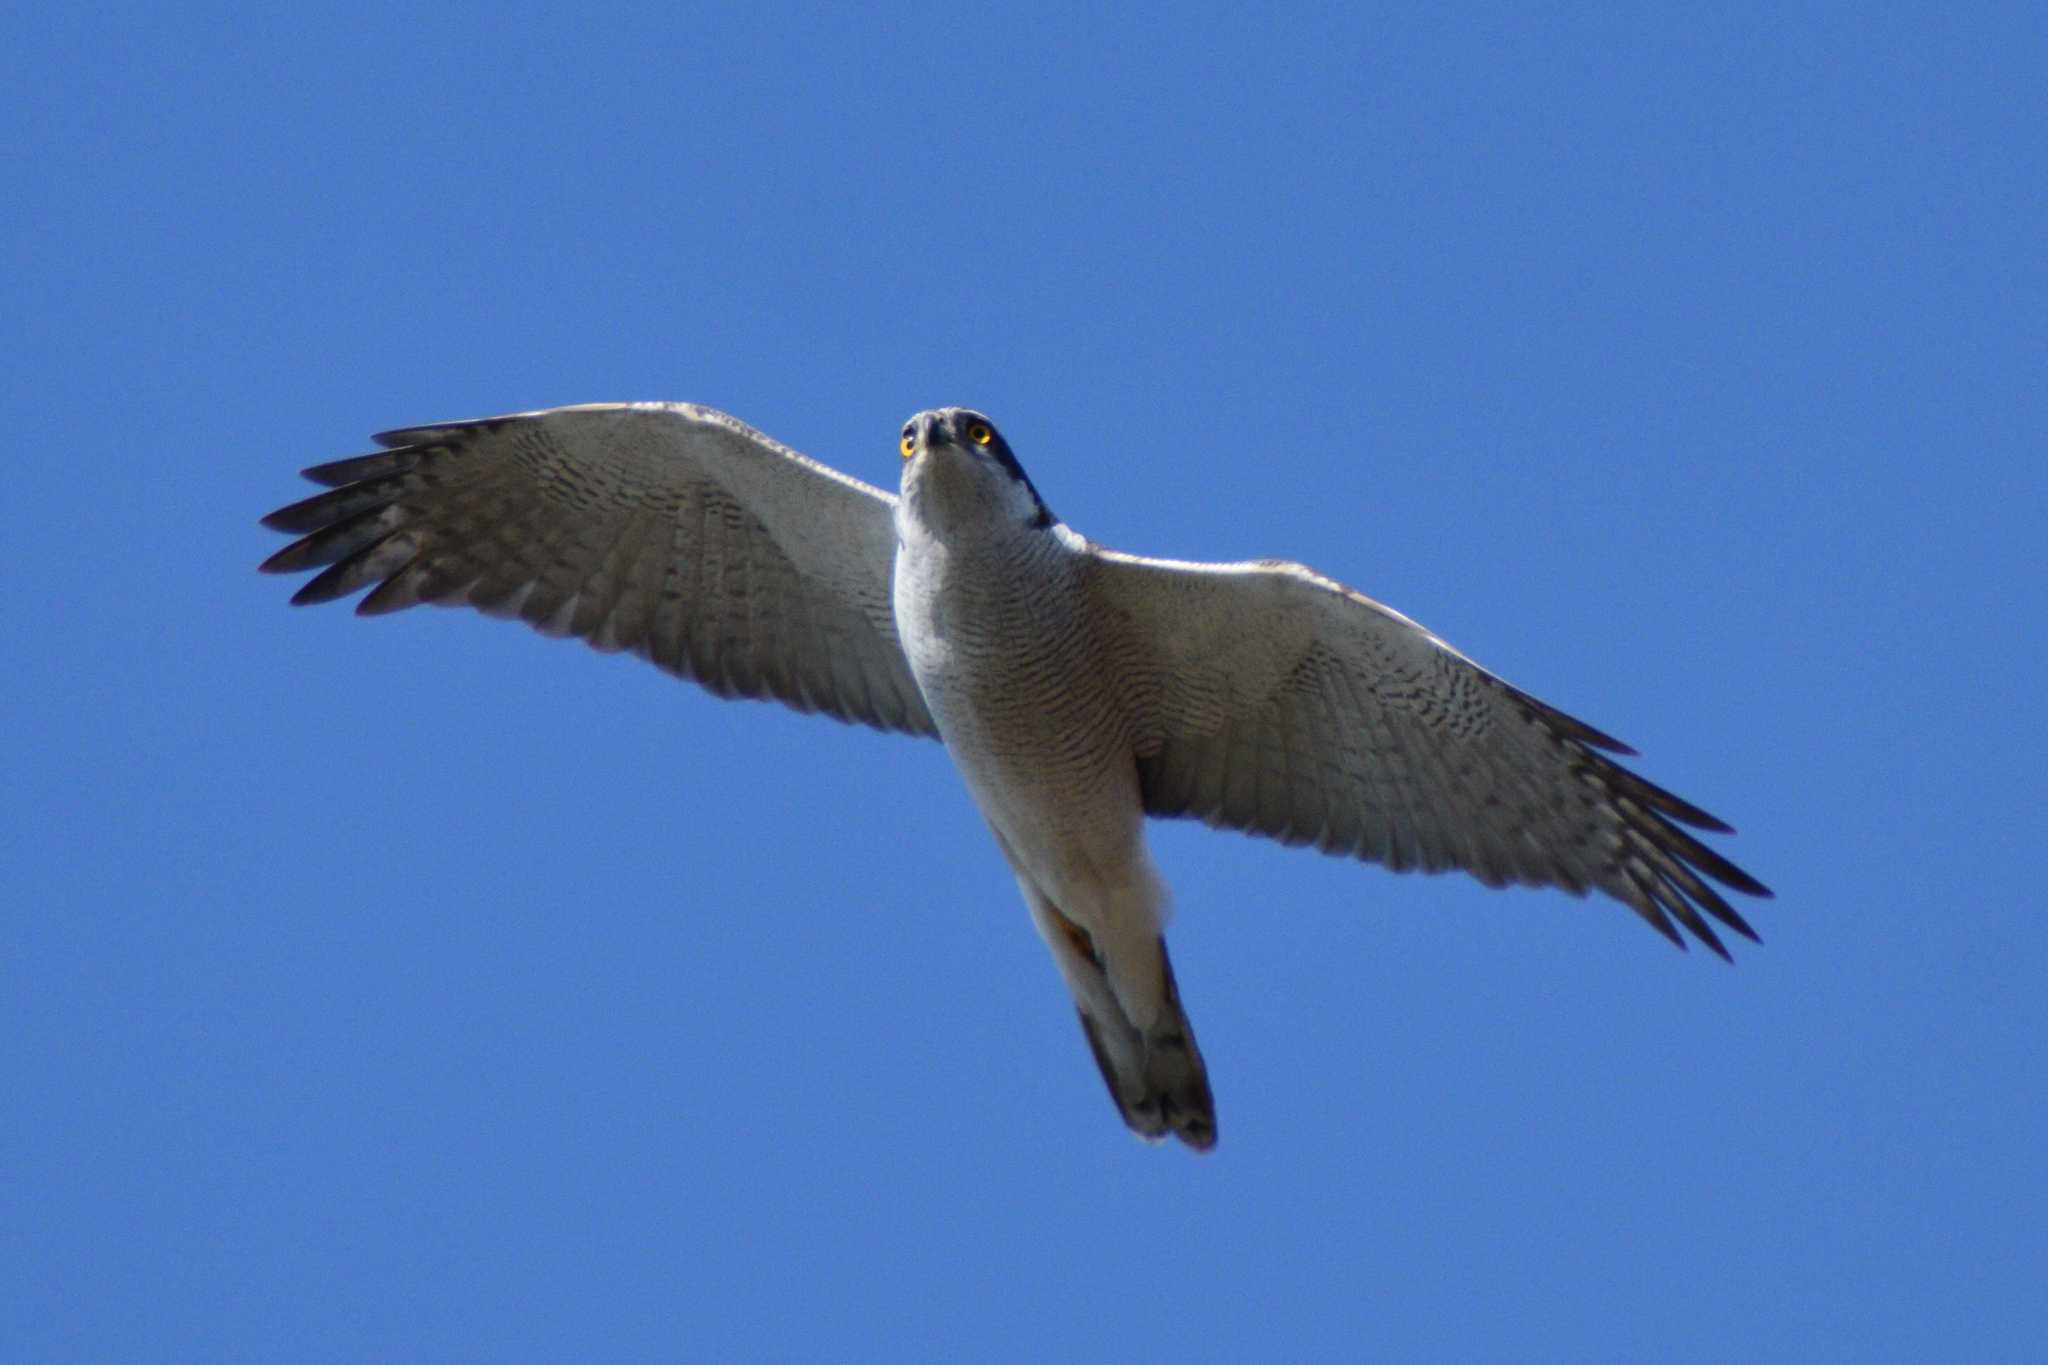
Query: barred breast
{"x": 1016, "y": 684}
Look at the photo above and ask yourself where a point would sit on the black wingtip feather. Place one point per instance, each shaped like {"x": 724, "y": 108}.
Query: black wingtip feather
{"x": 400, "y": 438}
{"x": 1714, "y": 904}
{"x": 1666, "y": 902}
{"x": 1718, "y": 867}
{"x": 315, "y": 592}
{"x": 1659, "y": 921}
{"x": 1679, "y": 844}
{"x": 284, "y": 561}
{"x": 1628, "y": 782}
{"x": 370, "y": 564}
{"x": 1690, "y": 918}
{"x": 1570, "y": 726}
{"x": 357, "y": 468}
{"x": 334, "y": 506}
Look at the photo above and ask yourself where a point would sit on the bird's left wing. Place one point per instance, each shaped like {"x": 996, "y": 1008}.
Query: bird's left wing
{"x": 1270, "y": 699}
{"x": 670, "y": 530}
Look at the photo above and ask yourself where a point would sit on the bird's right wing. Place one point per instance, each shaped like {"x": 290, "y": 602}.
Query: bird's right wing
{"x": 667, "y": 529}
{"x": 1267, "y": 698}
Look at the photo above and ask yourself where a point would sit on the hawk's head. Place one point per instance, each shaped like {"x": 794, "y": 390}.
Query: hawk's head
{"x": 957, "y": 465}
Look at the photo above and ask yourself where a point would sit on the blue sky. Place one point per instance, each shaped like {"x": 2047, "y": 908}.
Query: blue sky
{"x": 422, "y": 989}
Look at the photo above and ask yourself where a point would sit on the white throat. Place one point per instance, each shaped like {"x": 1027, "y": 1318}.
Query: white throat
{"x": 960, "y": 498}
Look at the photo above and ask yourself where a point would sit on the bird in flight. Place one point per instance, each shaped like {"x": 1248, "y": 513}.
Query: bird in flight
{"x": 1077, "y": 689}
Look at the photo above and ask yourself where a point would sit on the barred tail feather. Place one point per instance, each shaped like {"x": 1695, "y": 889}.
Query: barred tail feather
{"x": 1156, "y": 1079}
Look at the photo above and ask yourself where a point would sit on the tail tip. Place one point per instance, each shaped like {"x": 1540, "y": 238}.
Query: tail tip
{"x": 1163, "y": 1092}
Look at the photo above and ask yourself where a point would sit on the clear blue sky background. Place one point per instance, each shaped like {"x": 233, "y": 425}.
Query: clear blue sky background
{"x": 421, "y": 989}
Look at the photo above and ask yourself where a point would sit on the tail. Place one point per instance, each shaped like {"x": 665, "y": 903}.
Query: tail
{"x": 1155, "y": 1077}
{"x": 1153, "y": 1070}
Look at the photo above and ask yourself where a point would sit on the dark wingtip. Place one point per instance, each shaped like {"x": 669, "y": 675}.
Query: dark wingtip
{"x": 1729, "y": 875}
{"x": 1600, "y": 739}
{"x": 1570, "y": 726}
{"x": 398, "y": 438}
{"x": 1711, "y": 939}
{"x": 284, "y": 561}
{"x": 1721, "y": 910}
{"x": 1659, "y": 921}
{"x": 356, "y": 468}
{"x": 334, "y": 473}
{"x": 1699, "y": 819}
{"x": 332, "y": 583}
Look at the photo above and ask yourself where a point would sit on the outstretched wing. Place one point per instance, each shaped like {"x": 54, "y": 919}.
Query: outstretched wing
{"x": 667, "y": 529}
{"x": 1271, "y": 699}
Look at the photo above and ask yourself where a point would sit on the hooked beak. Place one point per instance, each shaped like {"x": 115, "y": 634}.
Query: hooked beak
{"x": 917, "y": 434}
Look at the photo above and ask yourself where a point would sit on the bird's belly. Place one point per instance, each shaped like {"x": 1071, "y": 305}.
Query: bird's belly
{"x": 1041, "y": 744}
{"x": 1010, "y": 731}
{"x": 1036, "y": 727}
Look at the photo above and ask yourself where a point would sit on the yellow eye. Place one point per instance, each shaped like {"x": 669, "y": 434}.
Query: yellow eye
{"x": 905, "y": 445}
{"x": 980, "y": 434}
